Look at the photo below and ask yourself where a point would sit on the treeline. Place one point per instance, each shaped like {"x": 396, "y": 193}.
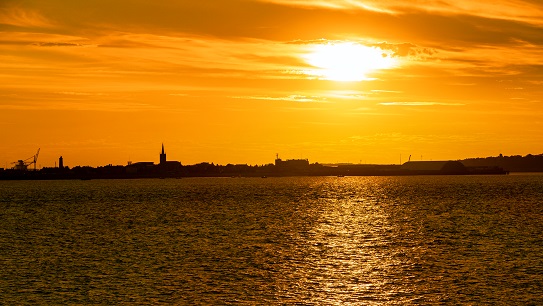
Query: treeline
{"x": 515, "y": 163}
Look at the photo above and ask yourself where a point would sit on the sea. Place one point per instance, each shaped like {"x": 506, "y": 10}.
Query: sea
{"x": 409, "y": 240}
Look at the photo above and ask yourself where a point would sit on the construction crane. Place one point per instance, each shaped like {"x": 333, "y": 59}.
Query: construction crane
{"x": 24, "y": 164}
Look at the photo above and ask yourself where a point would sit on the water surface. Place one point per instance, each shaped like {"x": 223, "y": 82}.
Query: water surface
{"x": 429, "y": 240}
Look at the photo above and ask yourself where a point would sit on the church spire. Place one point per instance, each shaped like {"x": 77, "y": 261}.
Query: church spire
{"x": 163, "y": 155}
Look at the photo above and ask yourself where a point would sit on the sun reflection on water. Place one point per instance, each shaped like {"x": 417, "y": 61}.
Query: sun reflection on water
{"x": 351, "y": 247}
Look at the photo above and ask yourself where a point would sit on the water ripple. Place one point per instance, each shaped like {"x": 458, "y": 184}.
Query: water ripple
{"x": 302, "y": 241}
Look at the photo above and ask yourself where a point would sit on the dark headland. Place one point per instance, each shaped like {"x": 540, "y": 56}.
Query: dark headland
{"x": 291, "y": 167}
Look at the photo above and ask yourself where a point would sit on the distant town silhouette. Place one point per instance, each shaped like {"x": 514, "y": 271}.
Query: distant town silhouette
{"x": 290, "y": 167}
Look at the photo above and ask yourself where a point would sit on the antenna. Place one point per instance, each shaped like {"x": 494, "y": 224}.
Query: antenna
{"x": 36, "y": 159}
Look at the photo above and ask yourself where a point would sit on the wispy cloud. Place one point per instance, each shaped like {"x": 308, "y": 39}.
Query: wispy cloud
{"x": 179, "y": 94}
{"x": 81, "y": 106}
{"x": 346, "y": 94}
{"x": 335, "y": 4}
{"x": 291, "y": 98}
{"x": 22, "y": 17}
{"x": 73, "y": 93}
{"x": 519, "y": 10}
{"x": 56, "y": 44}
{"x": 462, "y": 84}
{"x": 385, "y": 91}
{"x": 407, "y": 49}
{"x": 420, "y": 104}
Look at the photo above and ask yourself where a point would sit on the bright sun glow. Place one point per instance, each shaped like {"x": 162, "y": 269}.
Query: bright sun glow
{"x": 347, "y": 61}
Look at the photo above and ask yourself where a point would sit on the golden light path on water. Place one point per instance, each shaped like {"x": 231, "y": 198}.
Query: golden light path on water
{"x": 352, "y": 248}
{"x": 347, "y": 61}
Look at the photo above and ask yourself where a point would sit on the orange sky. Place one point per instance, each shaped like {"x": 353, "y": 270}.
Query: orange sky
{"x": 102, "y": 82}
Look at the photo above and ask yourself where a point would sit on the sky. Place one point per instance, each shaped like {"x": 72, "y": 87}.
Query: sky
{"x": 239, "y": 81}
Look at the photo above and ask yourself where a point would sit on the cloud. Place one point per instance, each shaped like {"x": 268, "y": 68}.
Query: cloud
{"x": 334, "y": 4}
{"x": 407, "y": 49}
{"x": 311, "y": 41}
{"x": 185, "y": 42}
{"x": 81, "y": 106}
{"x": 413, "y": 21}
{"x": 179, "y": 94}
{"x": 517, "y": 10}
{"x": 291, "y": 98}
{"x": 420, "y": 104}
{"x": 462, "y": 84}
{"x": 56, "y": 44}
{"x": 385, "y": 91}
{"x": 22, "y": 17}
{"x": 520, "y": 59}
{"x": 347, "y": 95}
{"x": 73, "y": 93}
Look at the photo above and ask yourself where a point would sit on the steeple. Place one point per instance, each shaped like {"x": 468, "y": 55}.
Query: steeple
{"x": 162, "y": 155}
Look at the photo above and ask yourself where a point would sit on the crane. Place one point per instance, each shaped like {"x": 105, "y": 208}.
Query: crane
{"x": 24, "y": 164}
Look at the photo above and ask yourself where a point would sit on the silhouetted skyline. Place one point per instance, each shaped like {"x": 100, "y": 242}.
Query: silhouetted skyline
{"x": 236, "y": 81}
{"x": 515, "y": 163}
{"x": 279, "y": 167}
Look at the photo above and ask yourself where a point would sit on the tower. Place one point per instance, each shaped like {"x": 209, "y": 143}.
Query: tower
{"x": 61, "y": 162}
{"x": 162, "y": 156}
{"x": 277, "y": 160}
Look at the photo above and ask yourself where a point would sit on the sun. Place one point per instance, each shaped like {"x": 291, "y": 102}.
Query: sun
{"x": 347, "y": 61}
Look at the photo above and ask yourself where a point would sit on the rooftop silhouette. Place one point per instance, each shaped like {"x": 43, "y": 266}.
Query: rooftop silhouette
{"x": 289, "y": 167}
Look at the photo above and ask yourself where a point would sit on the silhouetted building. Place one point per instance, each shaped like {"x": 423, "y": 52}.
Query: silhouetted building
{"x": 141, "y": 168}
{"x": 292, "y": 163}
{"x": 61, "y": 162}
{"x": 292, "y": 166}
{"x": 168, "y": 168}
{"x": 163, "y": 156}
{"x": 437, "y": 167}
